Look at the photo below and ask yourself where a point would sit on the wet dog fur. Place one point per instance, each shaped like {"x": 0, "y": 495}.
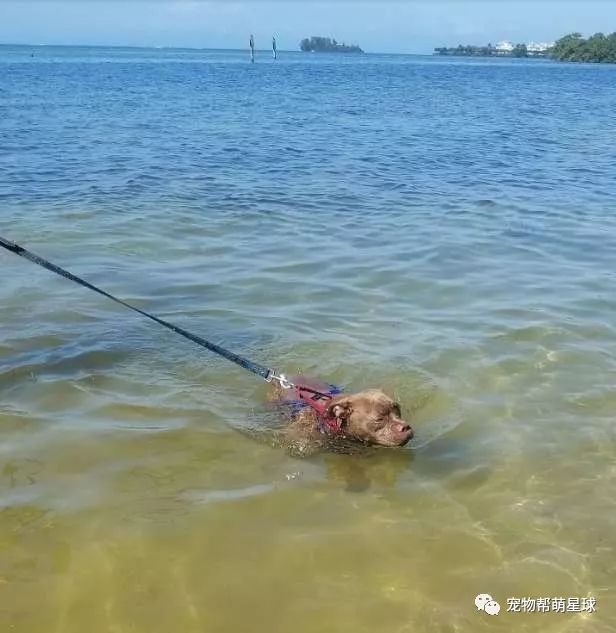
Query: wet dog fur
{"x": 368, "y": 417}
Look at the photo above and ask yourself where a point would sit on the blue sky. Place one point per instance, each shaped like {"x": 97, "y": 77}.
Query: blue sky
{"x": 402, "y": 26}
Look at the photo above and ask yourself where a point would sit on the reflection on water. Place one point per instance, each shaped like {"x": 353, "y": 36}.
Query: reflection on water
{"x": 375, "y": 221}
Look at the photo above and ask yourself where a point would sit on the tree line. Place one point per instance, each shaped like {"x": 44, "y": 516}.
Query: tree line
{"x": 327, "y": 45}
{"x": 575, "y": 48}
{"x": 519, "y": 50}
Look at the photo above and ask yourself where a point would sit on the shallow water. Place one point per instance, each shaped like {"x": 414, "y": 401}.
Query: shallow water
{"x": 444, "y": 229}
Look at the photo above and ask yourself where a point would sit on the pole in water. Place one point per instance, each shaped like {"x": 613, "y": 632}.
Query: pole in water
{"x": 274, "y": 48}
{"x": 252, "y": 49}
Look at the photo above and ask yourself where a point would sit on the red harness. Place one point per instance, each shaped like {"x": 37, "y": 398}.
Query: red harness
{"x": 317, "y": 396}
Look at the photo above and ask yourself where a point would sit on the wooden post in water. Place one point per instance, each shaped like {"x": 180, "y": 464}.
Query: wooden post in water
{"x": 252, "y": 49}
{"x": 274, "y": 48}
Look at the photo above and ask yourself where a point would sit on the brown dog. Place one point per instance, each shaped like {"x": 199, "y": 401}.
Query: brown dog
{"x": 368, "y": 417}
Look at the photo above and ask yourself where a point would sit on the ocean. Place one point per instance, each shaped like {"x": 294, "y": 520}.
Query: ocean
{"x": 442, "y": 228}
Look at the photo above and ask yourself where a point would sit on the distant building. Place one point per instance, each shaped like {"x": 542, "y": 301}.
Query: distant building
{"x": 538, "y": 47}
{"x": 504, "y": 47}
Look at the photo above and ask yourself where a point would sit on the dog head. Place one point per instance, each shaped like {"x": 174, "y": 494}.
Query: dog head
{"x": 371, "y": 417}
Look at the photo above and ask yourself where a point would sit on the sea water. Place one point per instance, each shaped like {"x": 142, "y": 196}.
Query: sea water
{"x": 444, "y": 229}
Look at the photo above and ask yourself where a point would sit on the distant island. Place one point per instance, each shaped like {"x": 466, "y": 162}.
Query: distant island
{"x": 502, "y": 49}
{"x": 327, "y": 45}
{"x": 599, "y": 48}
{"x": 574, "y": 48}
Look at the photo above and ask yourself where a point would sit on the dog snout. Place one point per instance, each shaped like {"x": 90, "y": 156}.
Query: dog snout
{"x": 403, "y": 427}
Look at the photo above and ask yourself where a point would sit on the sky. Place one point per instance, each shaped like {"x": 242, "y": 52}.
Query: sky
{"x": 377, "y": 26}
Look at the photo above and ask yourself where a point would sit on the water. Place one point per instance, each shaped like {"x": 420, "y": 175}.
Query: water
{"x": 441, "y": 228}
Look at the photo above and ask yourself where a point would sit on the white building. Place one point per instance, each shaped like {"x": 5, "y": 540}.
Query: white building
{"x": 504, "y": 47}
{"x": 538, "y": 47}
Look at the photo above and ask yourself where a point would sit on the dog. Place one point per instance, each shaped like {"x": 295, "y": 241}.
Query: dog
{"x": 366, "y": 418}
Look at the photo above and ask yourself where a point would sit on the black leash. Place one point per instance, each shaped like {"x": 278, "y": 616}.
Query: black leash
{"x": 265, "y": 373}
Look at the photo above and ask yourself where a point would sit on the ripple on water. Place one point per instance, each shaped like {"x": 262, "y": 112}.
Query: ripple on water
{"x": 429, "y": 244}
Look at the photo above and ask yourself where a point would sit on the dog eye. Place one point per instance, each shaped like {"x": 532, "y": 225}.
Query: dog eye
{"x": 396, "y": 409}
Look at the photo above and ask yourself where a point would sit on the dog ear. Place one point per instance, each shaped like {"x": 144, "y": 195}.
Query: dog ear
{"x": 339, "y": 410}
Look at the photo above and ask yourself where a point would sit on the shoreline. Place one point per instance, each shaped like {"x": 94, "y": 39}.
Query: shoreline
{"x": 267, "y": 52}
{"x": 246, "y": 50}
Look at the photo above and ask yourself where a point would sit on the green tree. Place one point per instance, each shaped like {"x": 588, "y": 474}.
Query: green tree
{"x": 520, "y": 50}
{"x": 597, "y": 48}
{"x": 327, "y": 45}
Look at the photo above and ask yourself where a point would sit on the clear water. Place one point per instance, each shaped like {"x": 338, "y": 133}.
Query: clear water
{"x": 442, "y": 228}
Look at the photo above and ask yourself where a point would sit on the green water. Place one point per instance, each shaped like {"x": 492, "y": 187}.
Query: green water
{"x": 131, "y": 501}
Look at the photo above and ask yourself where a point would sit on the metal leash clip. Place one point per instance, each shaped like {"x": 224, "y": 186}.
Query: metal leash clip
{"x": 282, "y": 380}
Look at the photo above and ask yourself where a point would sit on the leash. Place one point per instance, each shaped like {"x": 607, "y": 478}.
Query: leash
{"x": 266, "y": 373}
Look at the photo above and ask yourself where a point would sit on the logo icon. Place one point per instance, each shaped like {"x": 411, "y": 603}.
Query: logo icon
{"x": 492, "y": 607}
{"x": 485, "y": 602}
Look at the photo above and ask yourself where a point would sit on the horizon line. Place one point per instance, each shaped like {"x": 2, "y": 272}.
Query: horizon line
{"x": 197, "y": 48}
